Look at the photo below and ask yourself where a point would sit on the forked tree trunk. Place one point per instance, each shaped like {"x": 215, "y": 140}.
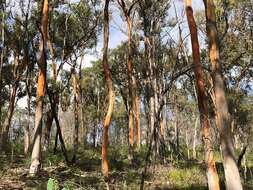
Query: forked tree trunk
{"x": 232, "y": 176}
{"x": 41, "y": 86}
{"x": 212, "y": 175}
{"x": 53, "y": 106}
{"x": 111, "y": 96}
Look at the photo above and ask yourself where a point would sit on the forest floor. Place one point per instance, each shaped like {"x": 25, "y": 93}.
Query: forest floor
{"x": 85, "y": 174}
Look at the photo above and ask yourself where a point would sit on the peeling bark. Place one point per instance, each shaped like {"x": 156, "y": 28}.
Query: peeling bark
{"x": 212, "y": 175}
{"x": 111, "y": 96}
{"x": 41, "y": 86}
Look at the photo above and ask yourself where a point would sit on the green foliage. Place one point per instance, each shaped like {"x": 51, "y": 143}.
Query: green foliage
{"x": 52, "y": 184}
{"x": 186, "y": 177}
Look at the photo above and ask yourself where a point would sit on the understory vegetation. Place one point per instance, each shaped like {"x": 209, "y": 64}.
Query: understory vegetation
{"x": 180, "y": 174}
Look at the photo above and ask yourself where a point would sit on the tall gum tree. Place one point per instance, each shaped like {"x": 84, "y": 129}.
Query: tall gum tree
{"x": 212, "y": 175}
{"x": 111, "y": 96}
{"x": 232, "y": 176}
{"x": 41, "y": 86}
{"x": 132, "y": 86}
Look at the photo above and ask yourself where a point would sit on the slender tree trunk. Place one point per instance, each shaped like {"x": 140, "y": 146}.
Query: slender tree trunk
{"x": 53, "y": 106}
{"x": 194, "y": 152}
{"x": 41, "y": 84}
{"x": 2, "y": 59}
{"x": 54, "y": 97}
{"x": 240, "y": 157}
{"x": 232, "y": 176}
{"x": 26, "y": 140}
{"x": 96, "y": 126}
{"x": 47, "y": 131}
{"x": 7, "y": 121}
{"x": 132, "y": 86}
{"x": 83, "y": 127}
{"x": 56, "y": 141}
{"x": 187, "y": 144}
{"x": 94, "y": 135}
{"x": 27, "y": 127}
{"x": 76, "y": 130}
{"x": 212, "y": 175}
{"x": 111, "y": 96}
{"x": 138, "y": 121}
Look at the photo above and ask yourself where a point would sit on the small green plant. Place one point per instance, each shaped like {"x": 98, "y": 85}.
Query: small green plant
{"x": 52, "y": 184}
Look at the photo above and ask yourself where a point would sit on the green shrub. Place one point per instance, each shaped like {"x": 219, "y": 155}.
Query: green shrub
{"x": 52, "y": 184}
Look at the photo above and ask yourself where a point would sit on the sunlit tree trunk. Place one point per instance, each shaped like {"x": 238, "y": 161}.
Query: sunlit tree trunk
{"x": 76, "y": 129}
{"x": 212, "y": 175}
{"x": 232, "y": 176}
{"x": 111, "y": 96}
{"x": 194, "y": 152}
{"x": 41, "y": 86}
{"x": 138, "y": 121}
{"x": 28, "y": 92}
{"x": 131, "y": 78}
{"x": 50, "y": 118}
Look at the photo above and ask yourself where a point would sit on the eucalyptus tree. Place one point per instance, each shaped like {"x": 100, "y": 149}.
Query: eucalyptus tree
{"x": 111, "y": 95}
{"x": 212, "y": 175}
{"x": 127, "y": 9}
{"x": 232, "y": 175}
{"x": 41, "y": 87}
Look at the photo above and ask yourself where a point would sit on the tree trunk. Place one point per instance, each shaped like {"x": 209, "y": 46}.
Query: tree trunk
{"x": 56, "y": 141}
{"x": 111, "y": 96}
{"x": 232, "y": 176}
{"x": 41, "y": 84}
{"x": 53, "y": 106}
{"x": 27, "y": 127}
{"x": 76, "y": 130}
{"x": 2, "y": 60}
{"x": 7, "y": 121}
{"x": 212, "y": 175}
{"x": 137, "y": 119}
{"x": 194, "y": 152}
{"x": 240, "y": 157}
{"x": 83, "y": 127}
{"x": 132, "y": 86}
{"x": 47, "y": 131}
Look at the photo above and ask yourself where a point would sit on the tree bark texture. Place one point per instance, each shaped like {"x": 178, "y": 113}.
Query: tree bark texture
{"x": 41, "y": 86}
{"x": 212, "y": 175}
{"x": 232, "y": 176}
{"x": 111, "y": 96}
